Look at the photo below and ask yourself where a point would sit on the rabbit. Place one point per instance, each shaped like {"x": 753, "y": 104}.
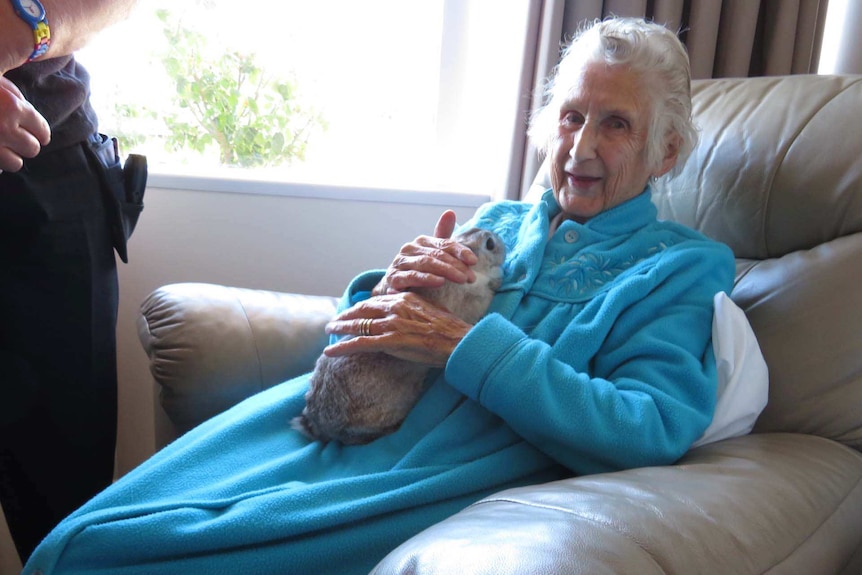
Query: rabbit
{"x": 357, "y": 398}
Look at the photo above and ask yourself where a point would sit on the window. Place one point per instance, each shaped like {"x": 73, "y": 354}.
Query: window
{"x": 412, "y": 95}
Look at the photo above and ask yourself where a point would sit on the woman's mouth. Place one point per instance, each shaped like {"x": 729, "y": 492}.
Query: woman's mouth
{"x": 582, "y": 181}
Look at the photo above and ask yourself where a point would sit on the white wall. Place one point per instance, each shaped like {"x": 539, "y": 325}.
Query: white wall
{"x": 293, "y": 244}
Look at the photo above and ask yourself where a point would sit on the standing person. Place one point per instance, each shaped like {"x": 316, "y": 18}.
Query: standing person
{"x": 596, "y": 355}
{"x": 59, "y": 225}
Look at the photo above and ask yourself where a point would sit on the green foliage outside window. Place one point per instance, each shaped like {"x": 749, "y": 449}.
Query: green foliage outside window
{"x": 225, "y": 101}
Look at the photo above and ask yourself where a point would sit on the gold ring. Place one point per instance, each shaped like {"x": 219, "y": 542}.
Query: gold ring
{"x": 365, "y": 327}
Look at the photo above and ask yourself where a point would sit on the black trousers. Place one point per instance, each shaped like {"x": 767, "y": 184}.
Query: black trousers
{"x": 58, "y": 313}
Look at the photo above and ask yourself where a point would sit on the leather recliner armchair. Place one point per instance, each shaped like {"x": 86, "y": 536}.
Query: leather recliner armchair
{"x": 778, "y": 177}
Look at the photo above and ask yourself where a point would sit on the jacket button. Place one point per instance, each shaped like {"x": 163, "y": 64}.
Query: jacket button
{"x": 571, "y": 236}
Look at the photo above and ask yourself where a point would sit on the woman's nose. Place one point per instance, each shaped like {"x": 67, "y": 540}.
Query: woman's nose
{"x": 583, "y": 144}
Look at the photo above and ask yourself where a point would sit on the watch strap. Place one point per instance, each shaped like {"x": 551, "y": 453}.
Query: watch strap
{"x": 42, "y": 38}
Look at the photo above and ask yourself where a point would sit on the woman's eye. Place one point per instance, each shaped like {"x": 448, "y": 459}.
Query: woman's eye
{"x": 573, "y": 119}
{"x": 617, "y": 124}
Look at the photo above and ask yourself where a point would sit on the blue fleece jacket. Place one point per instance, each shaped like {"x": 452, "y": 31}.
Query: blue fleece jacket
{"x": 595, "y": 356}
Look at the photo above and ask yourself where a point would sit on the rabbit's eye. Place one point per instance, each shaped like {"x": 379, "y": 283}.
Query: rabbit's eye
{"x": 490, "y": 245}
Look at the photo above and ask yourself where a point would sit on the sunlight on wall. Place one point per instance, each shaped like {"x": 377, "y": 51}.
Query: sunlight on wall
{"x": 836, "y": 14}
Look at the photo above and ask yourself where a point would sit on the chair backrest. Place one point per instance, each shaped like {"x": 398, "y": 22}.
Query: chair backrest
{"x": 777, "y": 176}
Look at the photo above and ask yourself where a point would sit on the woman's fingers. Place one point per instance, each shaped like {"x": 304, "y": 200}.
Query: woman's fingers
{"x": 403, "y": 325}
{"x": 429, "y": 261}
{"x": 434, "y": 259}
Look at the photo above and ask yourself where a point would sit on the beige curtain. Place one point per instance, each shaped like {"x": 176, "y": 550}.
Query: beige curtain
{"x": 725, "y": 38}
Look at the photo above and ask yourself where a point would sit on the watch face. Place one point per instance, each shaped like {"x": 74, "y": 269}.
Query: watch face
{"x": 32, "y": 8}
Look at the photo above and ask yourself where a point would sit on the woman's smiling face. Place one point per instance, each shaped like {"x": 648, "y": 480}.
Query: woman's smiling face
{"x": 598, "y": 153}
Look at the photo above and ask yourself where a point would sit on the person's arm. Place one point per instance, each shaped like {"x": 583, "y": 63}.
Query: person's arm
{"x": 73, "y": 23}
{"x": 23, "y": 130}
{"x": 630, "y": 384}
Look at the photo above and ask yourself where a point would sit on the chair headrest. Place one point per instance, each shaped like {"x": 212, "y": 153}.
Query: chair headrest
{"x": 777, "y": 168}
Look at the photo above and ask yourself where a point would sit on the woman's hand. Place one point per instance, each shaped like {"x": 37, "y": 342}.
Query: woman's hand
{"x": 429, "y": 261}
{"x": 23, "y": 130}
{"x": 403, "y": 325}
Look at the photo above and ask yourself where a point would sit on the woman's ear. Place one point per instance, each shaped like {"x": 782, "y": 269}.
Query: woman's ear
{"x": 674, "y": 142}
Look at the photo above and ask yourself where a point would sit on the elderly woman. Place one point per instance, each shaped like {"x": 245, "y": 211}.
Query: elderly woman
{"x": 595, "y": 356}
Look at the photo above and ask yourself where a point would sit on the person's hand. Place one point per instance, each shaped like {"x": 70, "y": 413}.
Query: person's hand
{"x": 23, "y": 130}
{"x": 403, "y": 325}
{"x": 429, "y": 261}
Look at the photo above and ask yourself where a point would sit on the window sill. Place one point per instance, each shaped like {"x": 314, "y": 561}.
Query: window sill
{"x": 245, "y": 185}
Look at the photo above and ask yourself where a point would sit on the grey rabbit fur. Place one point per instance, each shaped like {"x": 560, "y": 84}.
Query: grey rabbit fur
{"x": 357, "y": 398}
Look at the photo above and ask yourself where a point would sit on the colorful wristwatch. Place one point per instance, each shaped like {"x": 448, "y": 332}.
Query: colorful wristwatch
{"x": 33, "y": 13}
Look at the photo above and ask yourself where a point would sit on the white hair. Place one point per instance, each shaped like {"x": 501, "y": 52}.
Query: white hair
{"x": 651, "y": 51}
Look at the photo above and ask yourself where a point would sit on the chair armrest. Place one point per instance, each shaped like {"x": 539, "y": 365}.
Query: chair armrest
{"x": 767, "y": 503}
{"x": 212, "y": 346}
